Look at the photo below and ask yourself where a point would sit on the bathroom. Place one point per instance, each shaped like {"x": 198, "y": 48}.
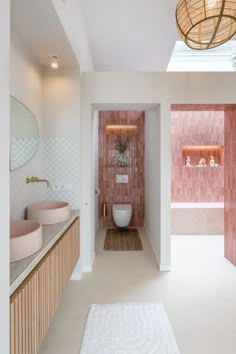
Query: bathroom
{"x": 53, "y": 98}
{"x": 139, "y": 184}
{"x": 53, "y": 171}
{"x": 197, "y": 191}
{"x": 201, "y": 194}
{"x": 121, "y": 150}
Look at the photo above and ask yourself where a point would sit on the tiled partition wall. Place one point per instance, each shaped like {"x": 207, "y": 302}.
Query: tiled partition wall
{"x": 195, "y": 184}
{"x": 230, "y": 184}
{"x": 112, "y": 192}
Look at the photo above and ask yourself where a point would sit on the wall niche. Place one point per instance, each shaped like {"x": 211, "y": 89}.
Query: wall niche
{"x": 122, "y": 141}
{"x": 193, "y": 154}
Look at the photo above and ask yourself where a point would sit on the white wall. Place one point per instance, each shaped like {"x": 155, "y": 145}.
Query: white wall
{"x": 26, "y": 86}
{"x": 164, "y": 88}
{"x": 72, "y": 20}
{"x": 95, "y": 161}
{"x": 26, "y": 78}
{"x": 61, "y": 121}
{"x": 4, "y": 186}
{"x": 61, "y": 102}
{"x": 153, "y": 179}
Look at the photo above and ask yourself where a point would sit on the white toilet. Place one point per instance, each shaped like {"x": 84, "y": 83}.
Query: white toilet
{"x": 122, "y": 214}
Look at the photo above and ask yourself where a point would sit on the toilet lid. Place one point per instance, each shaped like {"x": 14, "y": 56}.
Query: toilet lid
{"x": 122, "y": 207}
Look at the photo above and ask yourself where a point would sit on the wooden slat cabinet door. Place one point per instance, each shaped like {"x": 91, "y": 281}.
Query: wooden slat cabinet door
{"x": 34, "y": 303}
{"x": 24, "y": 317}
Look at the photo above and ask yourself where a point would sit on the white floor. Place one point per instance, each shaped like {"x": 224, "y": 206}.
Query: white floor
{"x": 199, "y": 295}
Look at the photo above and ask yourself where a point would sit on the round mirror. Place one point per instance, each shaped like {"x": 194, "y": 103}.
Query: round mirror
{"x": 24, "y": 134}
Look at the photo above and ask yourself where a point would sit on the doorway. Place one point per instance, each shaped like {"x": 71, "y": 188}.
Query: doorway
{"x": 151, "y": 173}
{"x": 121, "y": 147}
{"x": 201, "y": 141}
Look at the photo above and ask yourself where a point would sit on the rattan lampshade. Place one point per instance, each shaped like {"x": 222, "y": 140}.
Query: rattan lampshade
{"x": 205, "y": 24}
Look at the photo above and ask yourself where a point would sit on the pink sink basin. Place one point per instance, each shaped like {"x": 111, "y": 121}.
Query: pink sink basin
{"x": 25, "y": 239}
{"x": 48, "y": 212}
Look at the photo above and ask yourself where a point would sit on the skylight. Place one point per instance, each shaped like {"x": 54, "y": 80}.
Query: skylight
{"x": 222, "y": 58}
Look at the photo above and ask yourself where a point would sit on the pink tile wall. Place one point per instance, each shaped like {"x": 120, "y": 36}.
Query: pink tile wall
{"x": 112, "y": 192}
{"x": 230, "y": 184}
{"x": 199, "y": 107}
{"x": 196, "y": 184}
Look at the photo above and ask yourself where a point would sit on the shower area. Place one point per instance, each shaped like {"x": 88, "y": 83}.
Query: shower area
{"x": 197, "y": 175}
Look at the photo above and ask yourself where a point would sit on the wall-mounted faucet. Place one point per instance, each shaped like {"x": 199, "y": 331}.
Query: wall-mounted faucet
{"x": 36, "y": 179}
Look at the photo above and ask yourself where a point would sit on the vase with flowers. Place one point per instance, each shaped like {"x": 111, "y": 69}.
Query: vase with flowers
{"x": 121, "y": 144}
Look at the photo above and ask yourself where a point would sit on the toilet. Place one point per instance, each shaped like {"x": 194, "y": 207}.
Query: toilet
{"x": 122, "y": 214}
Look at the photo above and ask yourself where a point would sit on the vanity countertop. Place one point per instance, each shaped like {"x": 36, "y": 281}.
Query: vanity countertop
{"x": 51, "y": 233}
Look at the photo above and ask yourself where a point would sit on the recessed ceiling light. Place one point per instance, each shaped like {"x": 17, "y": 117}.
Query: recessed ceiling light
{"x": 54, "y": 61}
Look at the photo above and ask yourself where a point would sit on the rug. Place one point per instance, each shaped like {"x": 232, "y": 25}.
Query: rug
{"x": 122, "y": 240}
{"x": 128, "y": 329}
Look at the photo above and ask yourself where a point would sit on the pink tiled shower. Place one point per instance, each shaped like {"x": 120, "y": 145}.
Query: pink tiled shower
{"x": 112, "y": 192}
{"x": 197, "y": 128}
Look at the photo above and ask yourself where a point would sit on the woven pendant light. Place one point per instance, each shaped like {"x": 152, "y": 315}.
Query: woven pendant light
{"x": 205, "y": 24}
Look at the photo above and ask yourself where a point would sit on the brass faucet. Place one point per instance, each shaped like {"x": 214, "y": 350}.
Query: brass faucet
{"x": 36, "y": 179}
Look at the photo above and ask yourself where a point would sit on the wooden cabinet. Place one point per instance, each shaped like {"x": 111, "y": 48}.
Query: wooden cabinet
{"x": 33, "y": 304}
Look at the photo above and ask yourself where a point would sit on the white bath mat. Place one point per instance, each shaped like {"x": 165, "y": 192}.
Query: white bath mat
{"x": 128, "y": 329}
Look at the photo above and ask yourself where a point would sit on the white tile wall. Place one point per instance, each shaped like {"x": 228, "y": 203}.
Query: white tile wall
{"x": 57, "y": 160}
{"x": 22, "y": 150}
{"x": 22, "y": 194}
{"x": 61, "y": 166}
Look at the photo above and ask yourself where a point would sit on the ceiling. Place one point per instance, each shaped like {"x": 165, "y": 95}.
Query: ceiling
{"x": 130, "y": 35}
{"x": 120, "y": 35}
{"x": 124, "y": 35}
{"x": 37, "y": 26}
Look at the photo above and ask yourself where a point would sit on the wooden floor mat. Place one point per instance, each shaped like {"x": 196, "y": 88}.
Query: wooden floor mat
{"x": 122, "y": 240}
